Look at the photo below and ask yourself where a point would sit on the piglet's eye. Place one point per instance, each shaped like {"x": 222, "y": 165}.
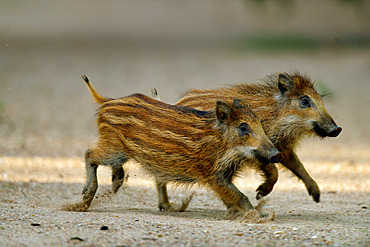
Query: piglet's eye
{"x": 305, "y": 102}
{"x": 243, "y": 129}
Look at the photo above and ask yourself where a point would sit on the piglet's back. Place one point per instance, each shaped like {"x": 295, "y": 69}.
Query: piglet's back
{"x": 145, "y": 127}
{"x": 151, "y": 113}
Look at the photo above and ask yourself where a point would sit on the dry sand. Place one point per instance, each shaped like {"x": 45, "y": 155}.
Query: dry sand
{"x": 34, "y": 189}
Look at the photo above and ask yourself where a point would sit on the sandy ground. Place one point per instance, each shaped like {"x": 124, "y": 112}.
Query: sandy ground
{"x": 34, "y": 189}
{"x": 47, "y": 122}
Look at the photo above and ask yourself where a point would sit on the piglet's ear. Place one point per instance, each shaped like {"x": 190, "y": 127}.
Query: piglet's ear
{"x": 223, "y": 110}
{"x": 239, "y": 103}
{"x": 285, "y": 83}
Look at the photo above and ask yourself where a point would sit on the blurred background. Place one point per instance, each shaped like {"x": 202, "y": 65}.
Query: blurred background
{"x": 133, "y": 46}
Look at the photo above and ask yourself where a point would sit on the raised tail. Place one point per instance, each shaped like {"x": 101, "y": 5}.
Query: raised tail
{"x": 98, "y": 98}
{"x": 155, "y": 94}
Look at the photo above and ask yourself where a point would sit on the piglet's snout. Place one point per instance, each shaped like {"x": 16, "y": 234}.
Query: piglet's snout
{"x": 335, "y": 132}
{"x": 275, "y": 158}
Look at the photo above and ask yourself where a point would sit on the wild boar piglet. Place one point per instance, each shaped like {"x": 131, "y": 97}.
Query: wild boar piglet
{"x": 179, "y": 144}
{"x": 289, "y": 107}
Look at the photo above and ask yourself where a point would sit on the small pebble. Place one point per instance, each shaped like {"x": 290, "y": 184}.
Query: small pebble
{"x": 103, "y": 228}
{"x": 35, "y": 224}
{"x": 77, "y": 238}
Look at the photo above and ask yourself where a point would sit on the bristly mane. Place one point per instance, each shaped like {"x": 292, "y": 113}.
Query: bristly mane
{"x": 269, "y": 84}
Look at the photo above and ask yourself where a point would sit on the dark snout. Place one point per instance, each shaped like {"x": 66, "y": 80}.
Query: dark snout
{"x": 276, "y": 158}
{"x": 332, "y": 130}
{"x": 273, "y": 156}
{"x": 335, "y": 132}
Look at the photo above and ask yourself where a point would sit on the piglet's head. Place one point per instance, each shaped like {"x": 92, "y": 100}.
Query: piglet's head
{"x": 304, "y": 107}
{"x": 244, "y": 133}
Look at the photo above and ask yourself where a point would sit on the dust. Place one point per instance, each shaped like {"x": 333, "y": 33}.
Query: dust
{"x": 257, "y": 216}
{"x": 77, "y": 207}
{"x": 101, "y": 198}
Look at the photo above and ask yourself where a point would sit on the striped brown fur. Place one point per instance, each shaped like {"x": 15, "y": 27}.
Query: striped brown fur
{"x": 289, "y": 108}
{"x": 179, "y": 144}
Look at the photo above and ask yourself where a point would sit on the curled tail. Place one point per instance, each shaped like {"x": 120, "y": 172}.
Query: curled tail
{"x": 98, "y": 98}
